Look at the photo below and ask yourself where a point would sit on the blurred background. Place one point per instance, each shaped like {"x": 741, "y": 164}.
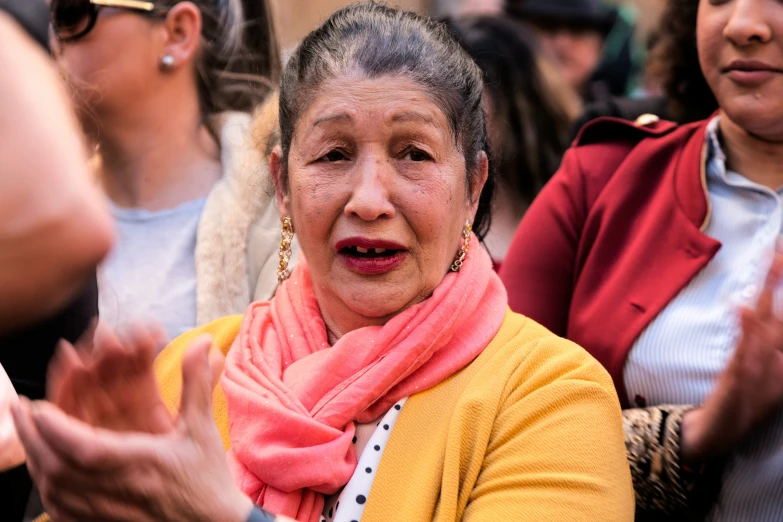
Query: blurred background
{"x": 295, "y": 18}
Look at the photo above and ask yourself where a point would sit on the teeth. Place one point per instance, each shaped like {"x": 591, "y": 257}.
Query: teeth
{"x": 361, "y": 250}
{"x": 380, "y": 250}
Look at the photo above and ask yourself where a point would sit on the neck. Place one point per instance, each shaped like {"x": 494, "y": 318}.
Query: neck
{"x": 757, "y": 159}
{"x": 349, "y": 321}
{"x": 154, "y": 162}
{"x": 340, "y": 319}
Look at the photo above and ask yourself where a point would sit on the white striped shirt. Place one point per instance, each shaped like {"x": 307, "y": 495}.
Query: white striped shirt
{"x": 679, "y": 356}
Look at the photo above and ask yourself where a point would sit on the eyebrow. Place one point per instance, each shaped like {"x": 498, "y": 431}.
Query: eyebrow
{"x": 402, "y": 116}
{"x": 344, "y": 116}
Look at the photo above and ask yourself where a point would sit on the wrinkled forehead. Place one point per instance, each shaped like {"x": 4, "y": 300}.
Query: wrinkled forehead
{"x": 357, "y": 101}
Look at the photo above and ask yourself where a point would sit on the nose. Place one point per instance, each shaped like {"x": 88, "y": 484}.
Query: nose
{"x": 369, "y": 195}
{"x": 562, "y": 39}
{"x": 747, "y": 24}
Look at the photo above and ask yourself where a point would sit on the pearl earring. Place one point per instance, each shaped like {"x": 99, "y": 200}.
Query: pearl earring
{"x": 167, "y": 62}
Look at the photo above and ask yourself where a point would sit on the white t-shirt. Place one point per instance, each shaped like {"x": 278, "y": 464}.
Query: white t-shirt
{"x": 151, "y": 273}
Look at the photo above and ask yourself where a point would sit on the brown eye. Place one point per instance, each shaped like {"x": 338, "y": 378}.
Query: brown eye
{"x": 334, "y": 155}
{"x": 416, "y": 155}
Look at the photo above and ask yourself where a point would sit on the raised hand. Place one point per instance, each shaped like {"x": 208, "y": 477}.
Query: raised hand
{"x": 89, "y": 473}
{"x": 109, "y": 382}
{"x": 751, "y": 386}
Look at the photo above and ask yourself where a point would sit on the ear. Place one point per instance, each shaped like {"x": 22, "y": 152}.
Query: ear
{"x": 477, "y": 183}
{"x": 281, "y": 186}
{"x": 182, "y": 33}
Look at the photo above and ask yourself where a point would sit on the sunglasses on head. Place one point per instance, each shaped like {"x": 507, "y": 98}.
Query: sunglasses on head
{"x": 72, "y": 19}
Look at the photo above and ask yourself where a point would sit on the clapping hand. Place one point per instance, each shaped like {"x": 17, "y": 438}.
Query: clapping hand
{"x": 109, "y": 382}
{"x": 87, "y": 472}
{"x": 751, "y": 386}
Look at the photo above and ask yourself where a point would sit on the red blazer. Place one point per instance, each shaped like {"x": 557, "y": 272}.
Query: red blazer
{"x": 614, "y": 236}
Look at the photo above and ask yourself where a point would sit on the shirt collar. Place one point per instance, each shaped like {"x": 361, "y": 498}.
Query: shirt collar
{"x": 716, "y": 158}
{"x": 716, "y": 163}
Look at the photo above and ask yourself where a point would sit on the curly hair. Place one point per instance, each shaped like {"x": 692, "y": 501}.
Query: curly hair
{"x": 675, "y": 60}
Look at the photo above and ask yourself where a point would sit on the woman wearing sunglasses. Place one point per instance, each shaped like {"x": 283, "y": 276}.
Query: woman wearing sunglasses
{"x": 166, "y": 90}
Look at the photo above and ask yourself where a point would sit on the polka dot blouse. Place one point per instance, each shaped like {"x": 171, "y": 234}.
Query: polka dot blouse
{"x": 348, "y": 505}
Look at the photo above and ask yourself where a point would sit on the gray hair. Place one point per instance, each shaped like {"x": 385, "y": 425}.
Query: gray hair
{"x": 378, "y": 41}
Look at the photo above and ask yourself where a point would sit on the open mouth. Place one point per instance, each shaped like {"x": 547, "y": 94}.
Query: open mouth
{"x": 368, "y": 252}
{"x": 370, "y": 256}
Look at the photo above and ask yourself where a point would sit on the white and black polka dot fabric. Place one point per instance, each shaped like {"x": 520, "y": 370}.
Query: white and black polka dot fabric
{"x": 351, "y": 501}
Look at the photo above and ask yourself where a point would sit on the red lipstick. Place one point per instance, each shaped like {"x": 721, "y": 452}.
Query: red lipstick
{"x": 370, "y": 256}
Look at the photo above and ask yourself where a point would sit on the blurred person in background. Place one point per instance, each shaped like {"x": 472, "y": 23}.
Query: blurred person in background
{"x": 180, "y": 158}
{"x": 466, "y": 7}
{"x": 676, "y": 88}
{"x": 530, "y": 110}
{"x": 54, "y": 228}
{"x": 658, "y": 249}
{"x": 590, "y": 43}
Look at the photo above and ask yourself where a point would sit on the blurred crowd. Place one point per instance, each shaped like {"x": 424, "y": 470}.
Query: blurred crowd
{"x": 491, "y": 260}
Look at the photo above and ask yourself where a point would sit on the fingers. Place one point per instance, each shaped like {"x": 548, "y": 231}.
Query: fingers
{"x": 60, "y": 437}
{"x": 69, "y": 491}
{"x": 104, "y": 336}
{"x": 61, "y": 368}
{"x": 216, "y": 363}
{"x": 37, "y": 450}
{"x": 86, "y": 342}
{"x": 144, "y": 342}
{"x": 131, "y": 352}
{"x": 197, "y": 378}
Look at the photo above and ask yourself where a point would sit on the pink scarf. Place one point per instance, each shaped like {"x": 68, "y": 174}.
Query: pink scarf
{"x": 293, "y": 399}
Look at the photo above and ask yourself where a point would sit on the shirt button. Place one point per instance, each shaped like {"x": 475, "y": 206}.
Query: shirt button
{"x": 749, "y": 292}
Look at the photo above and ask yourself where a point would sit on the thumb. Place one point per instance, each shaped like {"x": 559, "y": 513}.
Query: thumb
{"x": 197, "y": 379}
{"x": 216, "y": 363}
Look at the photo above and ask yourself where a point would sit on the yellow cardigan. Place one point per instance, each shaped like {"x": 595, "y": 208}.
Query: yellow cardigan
{"x": 529, "y": 431}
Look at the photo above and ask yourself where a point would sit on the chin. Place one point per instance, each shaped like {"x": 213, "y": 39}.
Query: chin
{"x": 377, "y": 300}
{"x": 756, "y": 117}
{"x": 759, "y": 111}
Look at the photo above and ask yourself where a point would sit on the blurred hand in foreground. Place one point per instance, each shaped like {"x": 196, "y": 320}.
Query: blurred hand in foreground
{"x": 87, "y": 472}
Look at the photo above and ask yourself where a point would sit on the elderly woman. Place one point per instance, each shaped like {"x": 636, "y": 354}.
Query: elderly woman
{"x": 651, "y": 247}
{"x": 387, "y": 378}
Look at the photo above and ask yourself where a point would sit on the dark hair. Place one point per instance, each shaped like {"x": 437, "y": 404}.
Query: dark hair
{"x": 532, "y": 121}
{"x": 675, "y": 59}
{"x": 377, "y": 41}
{"x": 239, "y": 61}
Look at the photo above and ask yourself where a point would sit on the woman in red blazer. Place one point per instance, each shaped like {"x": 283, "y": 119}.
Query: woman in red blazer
{"x": 652, "y": 248}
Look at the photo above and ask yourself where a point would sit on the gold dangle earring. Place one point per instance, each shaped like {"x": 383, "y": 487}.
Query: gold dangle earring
{"x": 285, "y": 250}
{"x": 463, "y": 251}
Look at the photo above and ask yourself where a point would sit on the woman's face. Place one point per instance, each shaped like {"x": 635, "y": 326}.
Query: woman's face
{"x": 114, "y": 64}
{"x": 740, "y": 46}
{"x": 378, "y": 196}
{"x": 577, "y": 51}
